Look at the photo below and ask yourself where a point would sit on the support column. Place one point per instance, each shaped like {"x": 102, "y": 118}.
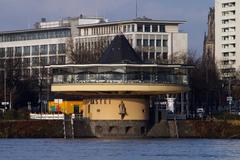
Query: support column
{"x": 187, "y": 103}
{"x": 182, "y": 103}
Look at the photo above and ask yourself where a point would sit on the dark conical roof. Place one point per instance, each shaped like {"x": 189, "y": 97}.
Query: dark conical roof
{"x": 120, "y": 52}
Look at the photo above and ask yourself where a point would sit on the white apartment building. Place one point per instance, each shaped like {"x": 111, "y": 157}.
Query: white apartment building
{"x": 227, "y": 36}
{"x": 45, "y": 44}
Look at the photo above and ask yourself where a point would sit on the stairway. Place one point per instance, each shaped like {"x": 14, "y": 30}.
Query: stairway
{"x": 173, "y": 129}
{"x": 68, "y": 128}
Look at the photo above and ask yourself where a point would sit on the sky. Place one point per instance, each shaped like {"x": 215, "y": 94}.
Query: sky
{"x": 22, "y": 14}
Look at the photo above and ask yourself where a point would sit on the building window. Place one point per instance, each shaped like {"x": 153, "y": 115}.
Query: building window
{"x": 35, "y": 50}
{"x": 145, "y": 56}
{"x": 139, "y": 42}
{"x": 2, "y": 52}
{"x": 61, "y": 60}
{"x": 52, "y": 49}
{"x": 158, "y": 43}
{"x": 165, "y": 55}
{"x": 9, "y": 52}
{"x": 133, "y": 28}
{"x": 43, "y": 61}
{"x": 124, "y": 28}
{"x": 158, "y": 55}
{"x": 18, "y": 51}
{"x": 26, "y": 62}
{"x": 152, "y": 44}
{"x": 233, "y": 53}
{"x": 233, "y": 61}
{"x": 154, "y": 28}
{"x": 225, "y": 54}
{"x": 225, "y": 62}
{"x": 26, "y": 51}
{"x": 43, "y": 49}
{"x": 61, "y": 48}
{"x": 53, "y": 60}
{"x": 162, "y": 28}
{"x": 165, "y": 43}
{"x": 35, "y": 61}
{"x": 145, "y": 42}
{"x": 152, "y": 55}
{"x": 140, "y": 28}
{"x": 147, "y": 28}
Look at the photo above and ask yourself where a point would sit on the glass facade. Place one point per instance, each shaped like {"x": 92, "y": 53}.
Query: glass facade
{"x": 35, "y": 35}
{"x": 130, "y": 75}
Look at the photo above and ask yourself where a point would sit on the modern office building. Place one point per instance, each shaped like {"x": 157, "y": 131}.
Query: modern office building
{"x": 48, "y": 43}
{"x": 45, "y": 44}
{"x": 227, "y": 36}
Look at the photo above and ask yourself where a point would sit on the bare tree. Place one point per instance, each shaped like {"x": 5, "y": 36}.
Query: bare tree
{"x": 205, "y": 83}
{"x": 85, "y": 53}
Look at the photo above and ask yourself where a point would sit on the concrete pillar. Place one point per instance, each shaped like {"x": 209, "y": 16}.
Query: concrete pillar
{"x": 187, "y": 103}
{"x": 182, "y": 103}
{"x": 156, "y": 114}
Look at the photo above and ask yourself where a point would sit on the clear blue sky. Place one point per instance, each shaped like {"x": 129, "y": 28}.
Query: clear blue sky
{"x": 20, "y": 14}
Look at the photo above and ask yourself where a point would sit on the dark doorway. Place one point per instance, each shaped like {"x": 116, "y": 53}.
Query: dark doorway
{"x": 76, "y": 109}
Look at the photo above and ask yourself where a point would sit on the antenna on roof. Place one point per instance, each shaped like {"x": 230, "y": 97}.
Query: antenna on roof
{"x": 136, "y": 8}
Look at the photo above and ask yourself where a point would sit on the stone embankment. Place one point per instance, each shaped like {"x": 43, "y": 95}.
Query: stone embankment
{"x": 196, "y": 129}
{"x": 82, "y": 129}
{"x": 41, "y": 129}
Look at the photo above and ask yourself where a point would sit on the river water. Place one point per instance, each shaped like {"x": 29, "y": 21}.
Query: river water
{"x": 106, "y": 149}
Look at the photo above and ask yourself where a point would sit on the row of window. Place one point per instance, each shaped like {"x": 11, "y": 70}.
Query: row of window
{"x": 37, "y": 61}
{"x": 229, "y": 29}
{"x": 229, "y": 21}
{"x": 152, "y": 55}
{"x": 228, "y": 4}
{"x": 122, "y": 28}
{"x": 230, "y": 45}
{"x": 228, "y": 62}
{"x": 227, "y": 54}
{"x": 36, "y": 50}
{"x": 230, "y": 37}
{"x": 152, "y": 42}
{"x": 150, "y": 28}
{"x": 229, "y": 13}
{"x": 35, "y": 35}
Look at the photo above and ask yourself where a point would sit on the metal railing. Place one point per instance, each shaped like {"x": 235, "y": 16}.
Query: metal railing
{"x": 121, "y": 78}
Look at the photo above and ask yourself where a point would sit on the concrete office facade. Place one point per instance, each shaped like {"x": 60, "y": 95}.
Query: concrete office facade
{"x": 227, "y": 36}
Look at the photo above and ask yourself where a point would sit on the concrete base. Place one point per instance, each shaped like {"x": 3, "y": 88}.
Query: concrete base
{"x": 121, "y": 129}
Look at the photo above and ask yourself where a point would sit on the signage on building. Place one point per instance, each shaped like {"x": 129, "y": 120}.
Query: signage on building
{"x": 99, "y": 101}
